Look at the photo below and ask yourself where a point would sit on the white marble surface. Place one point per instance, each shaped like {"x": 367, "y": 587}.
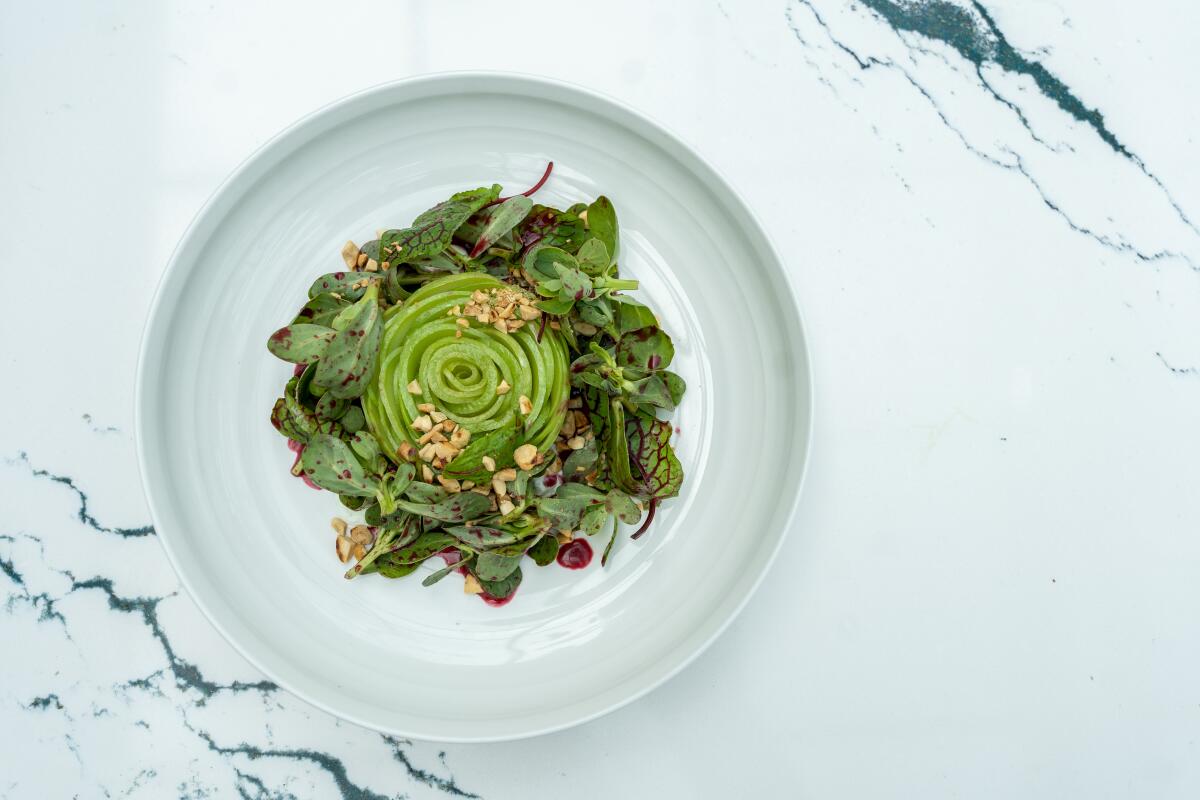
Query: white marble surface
{"x": 993, "y": 219}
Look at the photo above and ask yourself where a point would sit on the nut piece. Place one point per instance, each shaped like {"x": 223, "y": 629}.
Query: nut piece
{"x": 339, "y": 525}
{"x": 361, "y": 261}
{"x": 499, "y": 487}
{"x": 529, "y": 313}
{"x": 350, "y": 254}
{"x": 460, "y": 437}
{"x": 509, "y": 474}
{"x": 565, "y": 537}
{"x": 503, "y": 387}
{"x": 468, "y": 485}
{"x": 506, "y": 506}
{"x": 524, "y": 404}
{"x": 445, "y": 450}
{"x": 423, "y": 423}
{"x": 406, "y": 451}
{"x": 471, "y": 585}
{"x": 525, "y": 456}
{"x": 358, "y": 551}
{"x": 489, "y": 463}
{"x": 576, "y": 442}
{"x": 414, "y": 387}
{"x": 342, "y": 546}
{"x": 585, "y": 328}
{"x": 463, "y": 322}
{"x": 450, "y": 484}
{"x": 361, "y": 534}
{"x": 372, "y": 265}
{"x": 426, "y": 473}
{"x": 426, "y": 408}
{"x": 438, "y": 416}
{"x": 428, "y": 452}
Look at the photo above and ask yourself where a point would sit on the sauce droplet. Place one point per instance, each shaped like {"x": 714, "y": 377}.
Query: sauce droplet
{"x": 577, "y": 554}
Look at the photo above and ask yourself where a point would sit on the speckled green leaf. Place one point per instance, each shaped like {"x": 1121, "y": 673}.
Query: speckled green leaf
{"x": 300, "y": 344}
{"x": 544, "y": 550}
{"x": 648, "y": 348}
{"x": 455, "y": 508}
{"x": 432, "y": 231}
{"x": 320, "y": 310}
{"x": 349, "y": 360}
{"x": 330, "y": 463}
{"x": 341, "y": 283}
{"x": 483, "y": 537}
{"x": 495, "y": 567}
{"x": 602, "y": 223}
{"x": 503, "y": 588}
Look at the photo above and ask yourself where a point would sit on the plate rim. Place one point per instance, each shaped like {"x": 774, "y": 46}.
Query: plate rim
{"x": 431, "y": 79}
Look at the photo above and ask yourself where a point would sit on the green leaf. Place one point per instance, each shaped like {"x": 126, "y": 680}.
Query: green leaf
{"x": 498, "y": 444}
{"x": 446, "y": 570}
{"x": 432, "y": 231}
{"x": 300, "y": 344}
{"x": 341, "y": 283}
{"x": 353, "y": 420}
{"x": 501, "y": 219}
{"x": 647, "y": 348}
{"x": 549, "y": 226}
{"x": 425, "y": 545}
{"x": 556, "y": 307}
{"x": 594, "y": 519}
{"x": 652, "y": 390}
{"x": 596, "y": 312}
{"x": 389, "y": 569}
{"x": 455, "y": 508}
{"x": 352, "y": 503}
{"x": 575, "y": 284}
{"x": 366, "y": 447}
{"x": 659, "y": 473}
{"x": 593, "y": 257}
{"x": 330, "y": 463}
{"x": 602, "y": 222}
{"x": 632, "y": 315}
{"x": 502, "y": 589}
{"x": 484, "y": 537}
{"x": 581, "y": 461}
{"x": 566, "y": 508}
{"x": 544, "y": 550}
{"x": 389, "y": 538}
{"x": 495, "y": 567}
{"x": 617, "y": 449}
{"x": 320, "y": 310}
{"x": 349, "y": 360}
{"x": 622, "y": 506}
{"x": 330, "y": 407}
{"x": 421, "y": 492}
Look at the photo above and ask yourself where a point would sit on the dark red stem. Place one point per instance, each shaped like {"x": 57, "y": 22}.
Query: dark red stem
{"x": 541, "y": 328}
{"x": 528, "y": 192}
{"x": 649, "y": 518}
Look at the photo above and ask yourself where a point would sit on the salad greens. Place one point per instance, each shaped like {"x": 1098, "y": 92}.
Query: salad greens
{"x": 479, "y": 387}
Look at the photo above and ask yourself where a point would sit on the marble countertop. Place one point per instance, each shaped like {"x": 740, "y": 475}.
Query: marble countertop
{"x": 991, "y": 212}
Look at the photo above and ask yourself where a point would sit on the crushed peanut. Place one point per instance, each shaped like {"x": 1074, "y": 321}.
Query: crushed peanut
{"x": 445, "y": 450}
{"x": 414, "y": 387}
{"x": 503, "y": 387}
{"x": 524, "y": 404}
{"x": 471, "y": 585}
{"x": 406, "y": 451}
{"x": 372, "y": 265}
{"x": 585, "y": 328}
{"x": 506, "y": 506}
{"x": 463, "y": 322}
{"x": 489, "y": 464}
{"x": 525, "y": 455}
{"x": 426, "y": 473}
{"x": 460, "y": 437}
{"x": 361, "y": 261}
{"x": 427, "y": 452}
{"x": 529, "y": 313}
{"x": 499, "y": 487}
{"x": 339, "y": 525}
{"x": 450, "y": 484}
{"x": 575, "y": 402}
{"x": 342, "y": 546}
{"x": 426, "y": 408}
{"x": 350, "y": 254}
{"x": 423, "y": 423}
{"x": 509, "y": 474}
{"x": 576, "y": 442}
{"x": 438, "y": 416}
{"x": 468, "y": 485}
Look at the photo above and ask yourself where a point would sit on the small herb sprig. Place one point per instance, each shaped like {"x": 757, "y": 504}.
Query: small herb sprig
{"x": 406, "y": 401}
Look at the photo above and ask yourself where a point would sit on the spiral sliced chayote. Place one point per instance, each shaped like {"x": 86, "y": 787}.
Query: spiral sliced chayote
{"x": 459, "y": 375}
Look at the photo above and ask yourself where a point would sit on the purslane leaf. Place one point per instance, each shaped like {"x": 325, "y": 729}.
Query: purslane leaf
{"x": 331, "y": 464}
{"x": 491, "y": 566}
{"x": 348, "y": 362}
{"x": 602, "y": 223}
{"x": 301, "y": 343}
{"x": 455, "y": 508}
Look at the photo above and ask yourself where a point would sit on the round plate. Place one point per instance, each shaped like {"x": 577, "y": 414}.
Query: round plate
{"x": 253, "y": 544}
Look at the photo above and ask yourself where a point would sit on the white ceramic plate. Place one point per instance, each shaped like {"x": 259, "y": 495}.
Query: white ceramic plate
{"x": 253, "y": 545}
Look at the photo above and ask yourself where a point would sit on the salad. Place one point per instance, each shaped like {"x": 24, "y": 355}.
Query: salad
{"x": 480, "y": 388}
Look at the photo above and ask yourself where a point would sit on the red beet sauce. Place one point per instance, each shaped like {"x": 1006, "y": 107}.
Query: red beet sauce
{"x": 577, "y": 554}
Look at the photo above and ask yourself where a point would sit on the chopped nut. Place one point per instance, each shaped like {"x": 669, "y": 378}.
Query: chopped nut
{"x": 342, "y": 546}
{"x": 463, "y": 322}
{"x": 423, "y": 423}
{"x": 585, "y": 328}
{"x": 414, "y": 387}
{"x": 437, "y": 437}
{"x": 471, "y": 585}
{"x": 426, "y": 473}
{"x": 361, "y": 534}
{"x": 481, "y": 489}
{"x": 581, "y": 421}
{"x": 583, "y": 217}
{"x": 468, "y": 485}
{"x": 445, "y": 450}
{"x": 575, "y": 402}
{"x": 451, "y": 485}
{"x": 372, "y": 265}
{"x": 502, "y": 387}
{"x": 438, "y": 462}
{"x": 460, "y": 437}
{"x": 358, "y": 551}
{"x": 454, "y": 312}
{"x": 361, "y": 261}
{"x": 483, "y": 317}
{"x": 565, "y": 537}
{"x": 448, "y": 425}
{"x": 509, "y": 474}
{"x": 506, "y": 506}
{"x": 339, "y": 525}
{"x": 385, "y": 266}
{"x": 529, "y": 313}
{"x": 489, "y": 464}
{"x": 479, "y": 296}
{"x": 500, "y": 326}
{"x": 406, "y": 451}
{"x": 568, "y": 428}
{"x": 350, "y": 254}
{"x": 429, "y": 435}
{"x": 426, "y": 408}
{"x": 428, "y": 452}
{"x": 514, "y": 325}
{"x": 438, "y": 416}
{"x": 524, "y": 404}
{"x": 576, "y": 442}
{"x": 555, "y": 326}
{"x": 499, "y": 487}
{"x": 525, "y": 455}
